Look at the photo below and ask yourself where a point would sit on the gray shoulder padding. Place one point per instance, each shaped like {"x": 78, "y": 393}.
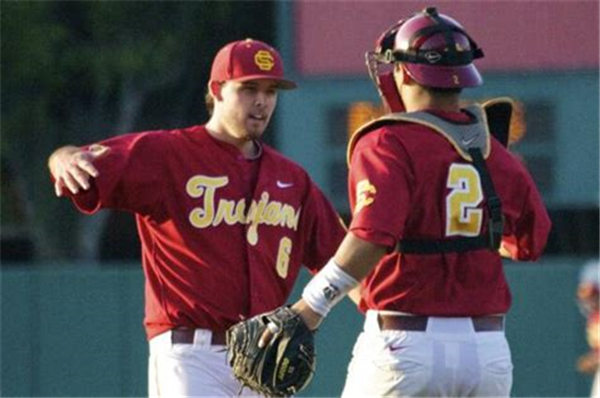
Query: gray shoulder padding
{"x": 462, "y": 136}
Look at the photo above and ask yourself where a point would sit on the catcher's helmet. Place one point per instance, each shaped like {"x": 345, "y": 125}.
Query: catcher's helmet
{"x": 434, "y": 49}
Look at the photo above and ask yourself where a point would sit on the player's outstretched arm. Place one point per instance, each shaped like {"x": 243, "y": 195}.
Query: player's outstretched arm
{"x": 72, "y": 167}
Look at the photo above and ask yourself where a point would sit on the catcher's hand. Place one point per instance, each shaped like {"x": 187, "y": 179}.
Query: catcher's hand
{"x": 284, "y": 365}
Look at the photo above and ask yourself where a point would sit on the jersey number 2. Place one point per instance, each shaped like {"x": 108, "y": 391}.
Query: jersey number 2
{"x": 462, "y": 215}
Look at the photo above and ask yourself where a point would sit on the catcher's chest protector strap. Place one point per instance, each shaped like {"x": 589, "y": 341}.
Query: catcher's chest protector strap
{"x": 472, "y": 142}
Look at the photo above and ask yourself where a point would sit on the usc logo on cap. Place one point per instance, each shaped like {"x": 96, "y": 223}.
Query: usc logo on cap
{"x": 264, "y": 60}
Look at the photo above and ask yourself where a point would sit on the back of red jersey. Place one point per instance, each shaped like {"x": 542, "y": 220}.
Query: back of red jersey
{"x": 407, "y": 181}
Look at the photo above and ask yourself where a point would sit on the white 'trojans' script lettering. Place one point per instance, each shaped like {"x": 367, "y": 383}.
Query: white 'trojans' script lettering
{"x": 263, "y": 211}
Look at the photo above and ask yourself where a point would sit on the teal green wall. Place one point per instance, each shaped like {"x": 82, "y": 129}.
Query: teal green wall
{"x": 72, "y": 330}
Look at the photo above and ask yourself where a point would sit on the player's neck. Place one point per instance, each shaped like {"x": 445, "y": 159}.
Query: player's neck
{"x": 420, "y": 100}
{"x": 249, "y": 148}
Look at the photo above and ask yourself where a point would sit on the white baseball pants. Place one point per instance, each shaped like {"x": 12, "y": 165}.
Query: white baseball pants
{"x": 449, "y": 359}
{"x": 191, "y": 370}
{"x": 596, "y": 385}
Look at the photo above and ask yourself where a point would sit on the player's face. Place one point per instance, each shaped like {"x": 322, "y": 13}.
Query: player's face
{"x": 247, "y": 107}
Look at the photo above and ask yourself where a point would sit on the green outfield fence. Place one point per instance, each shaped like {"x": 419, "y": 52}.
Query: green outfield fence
{"x": 75, "y": 330}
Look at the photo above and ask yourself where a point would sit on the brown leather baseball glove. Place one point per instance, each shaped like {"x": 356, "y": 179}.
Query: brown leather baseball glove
{"x": 285, "y": 365}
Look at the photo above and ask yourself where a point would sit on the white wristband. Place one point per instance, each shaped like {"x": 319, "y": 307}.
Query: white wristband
{"x": 327, "y": 288}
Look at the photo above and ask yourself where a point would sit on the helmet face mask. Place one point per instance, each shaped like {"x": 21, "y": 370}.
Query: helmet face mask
{"x": 380, "y": 65}
{"x": 434, "y": 50}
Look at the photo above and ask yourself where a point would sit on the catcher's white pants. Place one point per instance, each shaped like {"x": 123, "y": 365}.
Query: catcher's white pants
{"x": 449, "y": 359}
{"x": 596, "y": 385}
{"x": 191, "y": 370}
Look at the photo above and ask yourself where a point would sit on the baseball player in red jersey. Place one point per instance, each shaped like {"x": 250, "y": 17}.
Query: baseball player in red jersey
{"x": 225, "y": 222}
{"x": 434, "y": 197}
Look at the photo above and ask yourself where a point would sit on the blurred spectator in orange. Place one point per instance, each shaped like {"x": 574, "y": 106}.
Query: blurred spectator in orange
{"x": 588, "y": 300}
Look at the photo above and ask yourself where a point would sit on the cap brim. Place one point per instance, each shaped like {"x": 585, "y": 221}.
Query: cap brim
{"x": 445, "y": 76}
{"x": 282, "y": 84}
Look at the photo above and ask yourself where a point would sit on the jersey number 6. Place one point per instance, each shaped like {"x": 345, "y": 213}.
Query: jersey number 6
{"x": 283, "y": 256}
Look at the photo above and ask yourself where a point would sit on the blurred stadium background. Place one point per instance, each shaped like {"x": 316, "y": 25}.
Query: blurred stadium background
{"x": 75, "y": 72}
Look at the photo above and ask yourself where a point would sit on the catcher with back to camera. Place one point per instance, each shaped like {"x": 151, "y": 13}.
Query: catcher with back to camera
{"x": 225, "y": 221}
{"x": 436, "y": 200}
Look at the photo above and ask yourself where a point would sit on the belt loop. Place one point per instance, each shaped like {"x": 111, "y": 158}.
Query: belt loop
{"x": 202, "y": 337}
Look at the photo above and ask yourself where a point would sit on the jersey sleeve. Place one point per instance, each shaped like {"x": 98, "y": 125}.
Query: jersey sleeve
{"x": 379, "y": 185}
{"x": 525, "y": 238}
{"x": 324, "y": 229}
{"x": 130, "y": 175}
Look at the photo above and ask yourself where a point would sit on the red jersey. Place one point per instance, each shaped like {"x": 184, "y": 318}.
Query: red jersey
{"x": 405, "y": 179}
{"x": 223, "y": 237}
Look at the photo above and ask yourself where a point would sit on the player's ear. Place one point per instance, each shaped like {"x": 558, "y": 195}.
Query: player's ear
{"x": 215, "y": 90}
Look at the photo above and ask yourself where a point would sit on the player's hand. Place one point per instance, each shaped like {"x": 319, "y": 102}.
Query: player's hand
{"x": 72, "y": 167}
{"x": 311, "y": 319}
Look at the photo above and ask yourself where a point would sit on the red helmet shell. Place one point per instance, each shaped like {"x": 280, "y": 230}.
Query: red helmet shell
{"x": 408, "y": 39}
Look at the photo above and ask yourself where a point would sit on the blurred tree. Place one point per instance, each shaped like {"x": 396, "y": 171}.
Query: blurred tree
{"x": 76, "y": 72}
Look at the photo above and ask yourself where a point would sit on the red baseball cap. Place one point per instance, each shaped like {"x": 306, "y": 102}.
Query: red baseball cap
{"x": 249, "y": 59}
